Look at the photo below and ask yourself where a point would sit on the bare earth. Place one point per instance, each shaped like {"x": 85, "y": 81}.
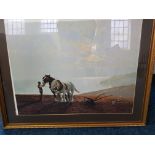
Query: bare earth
{"x": 110, "y": 102}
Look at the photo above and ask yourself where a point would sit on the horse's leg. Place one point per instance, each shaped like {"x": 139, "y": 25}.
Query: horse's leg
{"x": 71, "y": 92}
{"x": 61, "y": 97}
{"x": 72, "y": 97}
{"x": 58, "y": 97}
{"x": 64, "y": 97}
{"x": 54, "y": 95}
{"x": 68, "y": 96}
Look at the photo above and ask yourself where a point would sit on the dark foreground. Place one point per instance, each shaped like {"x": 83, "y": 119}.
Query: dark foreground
{"x": 149, "y": 129}
{"x": 30, "y": 104}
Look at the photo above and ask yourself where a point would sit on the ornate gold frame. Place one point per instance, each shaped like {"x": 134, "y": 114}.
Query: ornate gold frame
{"x": 142, "y": 122}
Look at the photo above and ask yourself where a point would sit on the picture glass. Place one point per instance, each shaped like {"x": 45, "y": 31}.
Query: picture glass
{"x": 73, "y": 66}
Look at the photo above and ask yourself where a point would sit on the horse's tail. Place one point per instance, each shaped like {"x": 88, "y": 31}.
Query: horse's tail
{"x": 74, "y": 88}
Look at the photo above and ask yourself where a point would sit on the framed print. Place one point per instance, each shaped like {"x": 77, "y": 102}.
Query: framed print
{"x": 75, "y": 73}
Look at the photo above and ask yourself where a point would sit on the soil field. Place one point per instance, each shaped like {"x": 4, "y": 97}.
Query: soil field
{"x": 106, "y": 103}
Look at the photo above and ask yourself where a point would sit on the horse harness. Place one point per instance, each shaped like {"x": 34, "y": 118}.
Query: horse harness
{"x": 61, "y": 86}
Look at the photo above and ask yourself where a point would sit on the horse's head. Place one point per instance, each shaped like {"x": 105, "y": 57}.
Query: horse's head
{"x": 47, "y": 79}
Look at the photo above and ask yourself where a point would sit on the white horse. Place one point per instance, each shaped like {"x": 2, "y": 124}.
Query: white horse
{"x": 64, "y": 90}
{"x": 61, "y": 91}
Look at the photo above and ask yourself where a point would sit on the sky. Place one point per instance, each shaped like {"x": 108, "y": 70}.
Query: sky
{"x": 85, "y": 52}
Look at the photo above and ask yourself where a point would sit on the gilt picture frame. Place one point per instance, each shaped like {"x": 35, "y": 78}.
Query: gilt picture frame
{"x": 75, "y": 73}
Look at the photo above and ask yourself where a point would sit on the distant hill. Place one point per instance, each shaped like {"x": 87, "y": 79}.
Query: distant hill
{"x": 120, "y": 80}
{"x": 122, "y": 91}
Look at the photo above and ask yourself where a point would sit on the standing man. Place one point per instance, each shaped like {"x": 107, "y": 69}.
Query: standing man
{"x": 40, "y": 91}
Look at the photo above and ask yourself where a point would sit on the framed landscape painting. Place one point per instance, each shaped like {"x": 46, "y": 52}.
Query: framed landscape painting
{"x": 75, "y": 73}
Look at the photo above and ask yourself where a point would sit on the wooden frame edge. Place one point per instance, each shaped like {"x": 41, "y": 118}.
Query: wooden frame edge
{"x": 149, "y": 74}
{"x": 71, "y": 125}
{"x": 150, "y": 64}
{"x": 3, "y": 109}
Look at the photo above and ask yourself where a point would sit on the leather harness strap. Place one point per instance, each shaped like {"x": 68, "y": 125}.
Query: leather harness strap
{"x": 60, "y": 85}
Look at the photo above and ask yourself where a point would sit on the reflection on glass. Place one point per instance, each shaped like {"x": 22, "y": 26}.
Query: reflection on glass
{"x": 97, "y": 56}
{"x": 15, "y": 26}
{"x": 49, "y": 25}
{"x": 120, "y": 33}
